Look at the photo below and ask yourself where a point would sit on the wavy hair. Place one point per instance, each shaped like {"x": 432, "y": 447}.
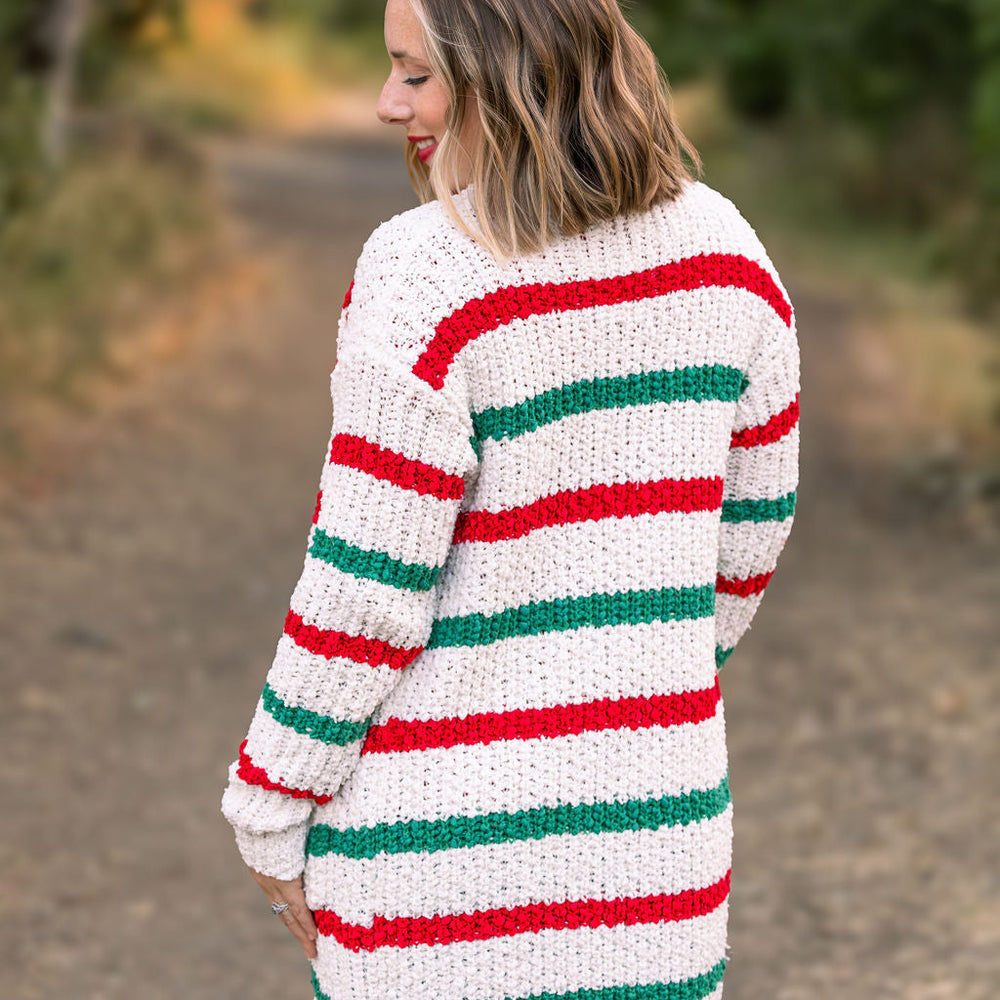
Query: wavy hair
{"x": 577, "y": 119}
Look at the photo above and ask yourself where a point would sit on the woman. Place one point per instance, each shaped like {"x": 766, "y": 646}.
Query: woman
{"x": 489, "y": 757}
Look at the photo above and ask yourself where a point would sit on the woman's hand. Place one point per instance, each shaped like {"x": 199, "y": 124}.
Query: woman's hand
{"x": 298, "y": 917}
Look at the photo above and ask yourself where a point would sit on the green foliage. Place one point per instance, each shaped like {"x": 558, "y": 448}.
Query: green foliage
{"x": 22, "y": 178}
{"x": 683, "y": 33}
{"x": 78, "y": 266}
{"x": 113, "y": 37}
{"x": 116, "y": 39}
{"x": 330, "y": 15}
{"x": 892, "y": 104}
{"x": 128, "y": 208}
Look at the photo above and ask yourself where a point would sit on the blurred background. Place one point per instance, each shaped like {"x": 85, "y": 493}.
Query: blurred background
{"x": 184, "y": 188}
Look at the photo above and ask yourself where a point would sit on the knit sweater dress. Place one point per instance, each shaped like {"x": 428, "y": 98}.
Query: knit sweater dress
{"x": 553, "y": 494}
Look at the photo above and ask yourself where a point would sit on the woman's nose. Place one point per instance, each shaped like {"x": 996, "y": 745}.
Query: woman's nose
{"x": 391, "y": 108}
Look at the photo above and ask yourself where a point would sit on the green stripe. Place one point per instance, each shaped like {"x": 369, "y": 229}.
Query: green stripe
{"x": 320, "y": 995}
{"x": 312, "y": 724}
{"x": 699, "y": 382}
{"x": 565, "y": 613}
{"x": 527, "y": 824}
{"x": 759, "y": 510}
{"x": 371, "y": 564}
{"x": 721, "y": 655}
{"x": 695, "y": 988}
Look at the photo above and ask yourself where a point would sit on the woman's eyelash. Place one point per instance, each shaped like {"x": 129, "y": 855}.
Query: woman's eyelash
{"x": 416, "y": 81}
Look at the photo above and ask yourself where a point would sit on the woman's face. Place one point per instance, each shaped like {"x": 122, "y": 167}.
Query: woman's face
{"x": 412, "y": 96}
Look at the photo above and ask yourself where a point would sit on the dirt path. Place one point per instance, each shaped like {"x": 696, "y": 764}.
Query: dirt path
{"x": 142, "y": 600}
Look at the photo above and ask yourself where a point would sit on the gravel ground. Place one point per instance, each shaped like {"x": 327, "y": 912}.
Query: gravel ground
{"x": 145, "y": 579}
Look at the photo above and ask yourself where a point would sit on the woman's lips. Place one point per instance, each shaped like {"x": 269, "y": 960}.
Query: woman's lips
{"x": 426, "y": 153}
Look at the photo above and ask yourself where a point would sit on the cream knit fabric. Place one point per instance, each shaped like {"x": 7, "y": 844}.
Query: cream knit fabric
{"x": 552, "y": 497}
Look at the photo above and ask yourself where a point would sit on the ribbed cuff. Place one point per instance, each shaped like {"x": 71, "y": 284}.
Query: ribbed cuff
{"x": 280, "y": 854}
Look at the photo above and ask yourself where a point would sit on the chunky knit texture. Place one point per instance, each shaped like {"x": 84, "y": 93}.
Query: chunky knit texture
{"x": 553, "y": 494}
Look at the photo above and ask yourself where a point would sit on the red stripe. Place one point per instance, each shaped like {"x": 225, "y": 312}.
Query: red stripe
{"x": 589, "y": 504}
{"x": 743, "y": 588}
{"x": 530, "y": 723}
{"x": 777, "y": 427}
{"x": 254, "y": 775}
{"x": 486, "y": 313}
{"x": 361, "y": 649}
{"x": 400, "y": 932}
{"x": 347, "y": 297}
{"x": 359, "y": 453}
{"x": 319, "y": 500}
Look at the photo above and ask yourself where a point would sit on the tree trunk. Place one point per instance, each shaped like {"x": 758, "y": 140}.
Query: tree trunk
{"x": 65, "y": 25}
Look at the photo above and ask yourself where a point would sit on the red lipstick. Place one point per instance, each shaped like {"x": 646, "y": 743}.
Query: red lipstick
{"x": 424, "y": 154}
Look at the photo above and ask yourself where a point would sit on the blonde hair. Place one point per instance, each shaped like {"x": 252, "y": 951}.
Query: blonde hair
{"x": 576, "y": 118}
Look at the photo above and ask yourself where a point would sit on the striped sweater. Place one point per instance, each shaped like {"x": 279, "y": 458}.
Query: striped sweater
{"x": 555, "y": 489}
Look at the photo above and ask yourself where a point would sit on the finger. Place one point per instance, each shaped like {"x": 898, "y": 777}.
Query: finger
{"x": 296, "y": 897}
{"x": 298, "y": 917}
{"x": 308, "y": 944}
{"x": 280, "y": 891}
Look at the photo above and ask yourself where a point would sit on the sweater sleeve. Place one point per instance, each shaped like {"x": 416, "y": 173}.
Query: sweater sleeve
{"x": 392, "y": 481}
{"x": 761, "y": 478}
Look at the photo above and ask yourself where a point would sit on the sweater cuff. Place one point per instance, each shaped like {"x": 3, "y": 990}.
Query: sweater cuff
{"x": 280, "y": 854}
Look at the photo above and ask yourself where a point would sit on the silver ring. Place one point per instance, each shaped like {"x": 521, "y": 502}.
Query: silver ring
{"x": 277, "y": 908}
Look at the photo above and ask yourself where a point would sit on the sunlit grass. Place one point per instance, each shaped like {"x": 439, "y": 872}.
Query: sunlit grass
{"x": 115, "y": 233}
{"x": 96, "y": 250}
{"x": 231, "y": 74}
